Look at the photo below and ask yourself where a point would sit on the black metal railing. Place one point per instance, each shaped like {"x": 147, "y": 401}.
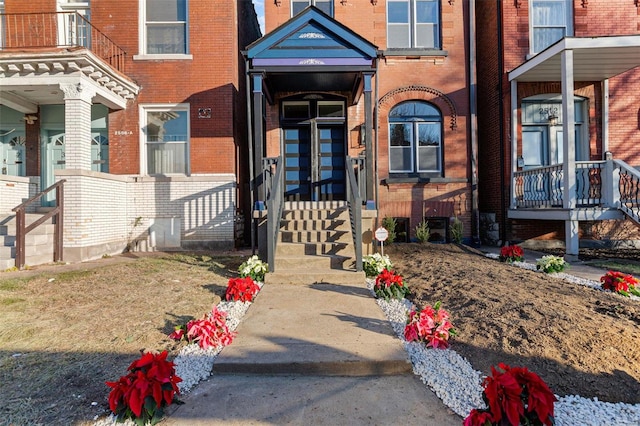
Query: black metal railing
{"x": 275, "y": 205}
{"x": 629, "y": 189}
{"x": 354, "y": 200}
{"x": 57, "y": 213}
{"x": 55, "y": 30}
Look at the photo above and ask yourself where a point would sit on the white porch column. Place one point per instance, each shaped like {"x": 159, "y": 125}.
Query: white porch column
{"x": 569, "y": 148}
{"x": 605, "y": 116}
{"x": 514, "y": 139}
{"x": 77, "y": 124}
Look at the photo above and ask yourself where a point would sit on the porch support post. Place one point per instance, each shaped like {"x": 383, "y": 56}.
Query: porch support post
{"x": 605, "y": 116}
{"x": 569, "y": 147}
{"x": 258, "y": 137}
{"x": 368, "y": 134}
{"x": 514, "y": 140}
{"x": 77, "y": 124}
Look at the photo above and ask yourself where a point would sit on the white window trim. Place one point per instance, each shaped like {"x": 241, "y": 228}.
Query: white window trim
{"x": 411, "y": 148}
{"x": 142, "y": 38}
{"x": 413, "y": 29}
{"x": 568, "y": 25}
{"x": 312, "y": 3}
{"x": 142, "y": 114}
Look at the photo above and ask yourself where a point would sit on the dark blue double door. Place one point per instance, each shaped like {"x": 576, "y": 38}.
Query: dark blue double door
{"x": 314, "y": 160}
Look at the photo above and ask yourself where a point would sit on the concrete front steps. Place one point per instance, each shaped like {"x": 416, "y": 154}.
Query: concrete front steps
{"x": 38, "y": 242}
{"x": 315, "y": 245}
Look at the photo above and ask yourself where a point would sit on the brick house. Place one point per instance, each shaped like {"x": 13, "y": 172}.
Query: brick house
{"x": 139, "y": 107}
{"x": 381, "y": 87}
{"x": 559, "y": 79}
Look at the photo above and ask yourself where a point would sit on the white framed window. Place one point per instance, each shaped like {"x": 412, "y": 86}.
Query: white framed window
{"x": 164, "y": 29}
{"x": 74, "y": 28}
{"x": 550, "y": 21}
{"x": 413, "y": 24}
{"x": 298, "y": 6}
{"x": 415, "y": 138}
{"x": 165, "y": 134}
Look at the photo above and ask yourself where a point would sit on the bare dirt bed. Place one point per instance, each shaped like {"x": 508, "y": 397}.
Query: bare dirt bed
{"x": 63, "y": 334}
{"x": 581, "y": 341}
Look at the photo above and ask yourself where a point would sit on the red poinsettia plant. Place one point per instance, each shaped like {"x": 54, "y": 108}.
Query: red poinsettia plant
{"x": 619, "y": 282}
{"x": 511, "y": 254}
{"x": 210, "y": 331}
{"x": 145, "y": 391}
{"x": 515, "y": 396}
{"x": 431, "y": 326}
{"x": 242, "y": 289}
{"x": 390, "y": 285}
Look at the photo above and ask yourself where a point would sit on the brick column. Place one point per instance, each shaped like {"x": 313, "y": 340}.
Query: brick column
{"x": 77, "y": 125}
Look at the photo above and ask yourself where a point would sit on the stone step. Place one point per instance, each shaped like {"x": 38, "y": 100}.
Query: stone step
{"x": 31, "y": 239}
{"x": 299, "y": 249}
{"x": 314, "y": 205}
{"x": 340, "y": 214}
{"x": 310, "y": 276}
{"x": 315, "y": 225}
{"x": 8, "y": 252}
{"x": 304, "y": 263}
{"x": 314, "y": 236}
{"x": 8, "y": 225}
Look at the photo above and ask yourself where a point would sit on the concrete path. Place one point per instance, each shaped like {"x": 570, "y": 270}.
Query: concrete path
{"x": 317, "y": 354}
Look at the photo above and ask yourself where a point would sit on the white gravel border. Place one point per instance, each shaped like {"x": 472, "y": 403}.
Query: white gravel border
{"x": 453, "y": 379}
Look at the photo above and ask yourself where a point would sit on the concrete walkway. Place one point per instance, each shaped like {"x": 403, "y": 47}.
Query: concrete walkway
{"x": 317, "y": 354}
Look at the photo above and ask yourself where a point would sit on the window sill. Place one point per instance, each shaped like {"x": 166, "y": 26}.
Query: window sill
{"x": 422, "y": 179}
{"x": 415, "y": 52}
{"x": 163, "y": 57}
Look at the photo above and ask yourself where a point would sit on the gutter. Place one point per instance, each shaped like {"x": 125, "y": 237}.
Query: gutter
{"x": 473, "y": 106}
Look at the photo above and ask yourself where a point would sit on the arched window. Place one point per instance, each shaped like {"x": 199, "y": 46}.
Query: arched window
{"x": 415, "y": 138}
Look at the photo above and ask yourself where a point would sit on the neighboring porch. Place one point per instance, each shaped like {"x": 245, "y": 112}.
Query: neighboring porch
{"x": 312, "y": 73}
{"x": 550, "y": 158}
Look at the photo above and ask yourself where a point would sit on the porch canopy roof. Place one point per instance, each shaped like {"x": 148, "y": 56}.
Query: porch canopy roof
{"x": 311, "y": 52}
{"x": 594, "y": 59}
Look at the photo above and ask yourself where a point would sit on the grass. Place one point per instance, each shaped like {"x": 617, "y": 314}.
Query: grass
{"x": 65, "y": 333}
{"x": 628, "y": 267}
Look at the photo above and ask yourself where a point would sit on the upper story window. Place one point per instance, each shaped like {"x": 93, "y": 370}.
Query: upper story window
{"x": 164, "y": 29}
{"x": 415, "y": 138}
{"x": 74, "y": 28}
{"x": 165, "y": 139}
{"x": 551, "y": 20}
{"x": 298, "y": 6}
{"x": 413, "y": 24}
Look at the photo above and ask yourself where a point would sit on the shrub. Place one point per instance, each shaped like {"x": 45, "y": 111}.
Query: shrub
{"x": 389, "y": 223}
{"x": 422, "y": 232}
{"x": 457, "y": 230}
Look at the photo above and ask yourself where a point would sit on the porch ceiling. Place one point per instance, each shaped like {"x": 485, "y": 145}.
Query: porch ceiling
{"x": 312, "y": 81}
{"x": 29, "y": 79}
{"x": 594, "y": 59}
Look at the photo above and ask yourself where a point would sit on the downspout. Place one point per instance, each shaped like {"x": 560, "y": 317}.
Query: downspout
{"x": 250, "y": 142}
{"x": 503, "y": 205}
{"x": 475, "y": 214}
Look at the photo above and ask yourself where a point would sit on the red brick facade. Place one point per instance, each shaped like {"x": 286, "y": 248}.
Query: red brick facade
{"x": 439, "y": 78}
{"x": 503, "y": 44}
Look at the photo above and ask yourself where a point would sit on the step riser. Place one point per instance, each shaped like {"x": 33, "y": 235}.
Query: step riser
{"x": 314, "y": 237}
{"x": 314, "y": 205}
{"x": 315, "y": 215}
{"x": 305, "y": 263}
{"x": 314, "y": 249}
{"x": 29, "y": 240}
{"x": 44, "y": 229}
{"x": 306, "y": 278}
{"x": 314, "y": 225}
{"x": 36, "y": 250}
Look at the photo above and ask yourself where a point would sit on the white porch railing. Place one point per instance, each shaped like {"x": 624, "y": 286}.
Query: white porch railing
{"x": 604, "y": 184}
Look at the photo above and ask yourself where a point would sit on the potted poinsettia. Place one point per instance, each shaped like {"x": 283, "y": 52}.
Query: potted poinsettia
{"x": 390, "y": 285}
{"x": 511, "y": 254}
{"x": 621, "y": 283}
{"x": 514, "y": 396}
{"x": 431, "y": 326}
{"x": 142, "y": 394}
{"x": 241, "y": 289}
{"x": 210, "y": 331}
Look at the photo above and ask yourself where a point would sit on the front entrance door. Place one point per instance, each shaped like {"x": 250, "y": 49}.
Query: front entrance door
{"x": 12, "y": 154}
{"x": 314, "y": 150}
{"x": 314, "y": 158}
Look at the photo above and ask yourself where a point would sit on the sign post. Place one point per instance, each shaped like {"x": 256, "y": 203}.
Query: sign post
{"x": 381, "y": 235}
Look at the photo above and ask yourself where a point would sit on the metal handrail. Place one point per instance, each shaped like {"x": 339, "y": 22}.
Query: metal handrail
{"x": 56, "y": 30}
{"x": 628, "y": 186}
{"x": 354, "y": 201}
{"x": 275, "y": 206}
{"x": 22, "y": 230}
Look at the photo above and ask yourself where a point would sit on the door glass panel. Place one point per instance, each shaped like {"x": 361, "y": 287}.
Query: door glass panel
{"x": 295, "y": 110}
{"x": 328, "y": 109}
{"x": 533, "y": 148}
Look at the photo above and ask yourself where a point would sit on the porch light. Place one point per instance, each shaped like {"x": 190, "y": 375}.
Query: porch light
{"x": 553, "y": 119}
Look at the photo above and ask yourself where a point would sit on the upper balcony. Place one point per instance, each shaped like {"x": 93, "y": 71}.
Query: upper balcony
{"x": 39, "y": 51}
{"x": 57, "y": 30}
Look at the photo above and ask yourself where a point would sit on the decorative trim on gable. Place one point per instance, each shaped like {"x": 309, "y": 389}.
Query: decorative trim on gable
{"x": 390, "y": 99}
